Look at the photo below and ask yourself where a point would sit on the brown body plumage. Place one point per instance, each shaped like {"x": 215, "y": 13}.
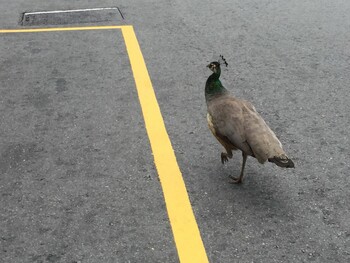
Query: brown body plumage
{"x": 238, "y": 126}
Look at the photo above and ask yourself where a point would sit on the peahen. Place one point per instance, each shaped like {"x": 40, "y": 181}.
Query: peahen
{"x": 238, "y": 126}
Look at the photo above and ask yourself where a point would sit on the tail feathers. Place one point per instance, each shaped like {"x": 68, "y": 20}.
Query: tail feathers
{"x": 282, "y": 161}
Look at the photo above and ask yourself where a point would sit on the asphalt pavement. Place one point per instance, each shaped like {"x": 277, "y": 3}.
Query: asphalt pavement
{"x": 77, "y": 177}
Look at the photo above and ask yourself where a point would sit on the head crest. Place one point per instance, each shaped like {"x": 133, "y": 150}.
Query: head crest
{"x": 222, "y": 60}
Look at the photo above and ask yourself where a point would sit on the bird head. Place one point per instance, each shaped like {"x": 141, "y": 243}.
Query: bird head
{"x": 215, "y": 65}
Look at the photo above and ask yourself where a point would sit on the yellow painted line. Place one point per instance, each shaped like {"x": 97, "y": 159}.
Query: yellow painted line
{"x": 185, "y": 230}
{"x": 53, "y": 29}
{"x": 187, "y": 237}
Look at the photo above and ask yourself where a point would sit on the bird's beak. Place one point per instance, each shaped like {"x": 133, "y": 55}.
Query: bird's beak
{"x": 208, "y": 65}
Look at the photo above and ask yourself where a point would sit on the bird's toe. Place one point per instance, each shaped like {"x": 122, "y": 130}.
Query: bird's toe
{"x": 235, "y": 180}
{"x": 224, "y": 158}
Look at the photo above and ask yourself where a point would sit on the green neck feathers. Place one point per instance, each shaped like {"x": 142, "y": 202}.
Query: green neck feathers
{"x": 213, "y": 86}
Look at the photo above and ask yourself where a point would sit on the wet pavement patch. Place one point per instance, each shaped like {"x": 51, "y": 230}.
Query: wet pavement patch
{"x": 77, "y": 16}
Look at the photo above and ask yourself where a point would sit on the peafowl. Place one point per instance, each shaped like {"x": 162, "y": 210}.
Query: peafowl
{"x": 238, "y": 126}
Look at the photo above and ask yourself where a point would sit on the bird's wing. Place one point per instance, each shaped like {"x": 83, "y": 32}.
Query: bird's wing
{"x": 227, "y": 117}
{"x": 239, "y": 121}
{"x": 262, "y": 140}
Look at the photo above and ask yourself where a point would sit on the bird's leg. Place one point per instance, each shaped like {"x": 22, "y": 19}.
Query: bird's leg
{"x": 225, "y": 156}
{"x": 240, "y": 178}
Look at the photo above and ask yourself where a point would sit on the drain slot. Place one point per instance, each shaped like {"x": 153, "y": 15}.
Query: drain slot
{"x": 77, "y": 16}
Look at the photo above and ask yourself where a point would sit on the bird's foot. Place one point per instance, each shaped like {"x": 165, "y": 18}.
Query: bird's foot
{"x": 235, "y": 180}
{"x": 224, "y": 157}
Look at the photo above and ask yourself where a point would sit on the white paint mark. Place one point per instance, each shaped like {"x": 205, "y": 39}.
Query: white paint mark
{"x": 71, "y": 11}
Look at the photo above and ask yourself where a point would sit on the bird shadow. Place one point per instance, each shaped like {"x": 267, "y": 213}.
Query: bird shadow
{"x": 260, "y": 193}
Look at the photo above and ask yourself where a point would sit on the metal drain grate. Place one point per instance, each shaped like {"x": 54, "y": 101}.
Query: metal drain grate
{"x": 62, "y": 17}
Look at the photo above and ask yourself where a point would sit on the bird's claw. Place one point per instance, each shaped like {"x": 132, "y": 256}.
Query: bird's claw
{"x": 235, "y": 180}
{"x": 224, "y": 158}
